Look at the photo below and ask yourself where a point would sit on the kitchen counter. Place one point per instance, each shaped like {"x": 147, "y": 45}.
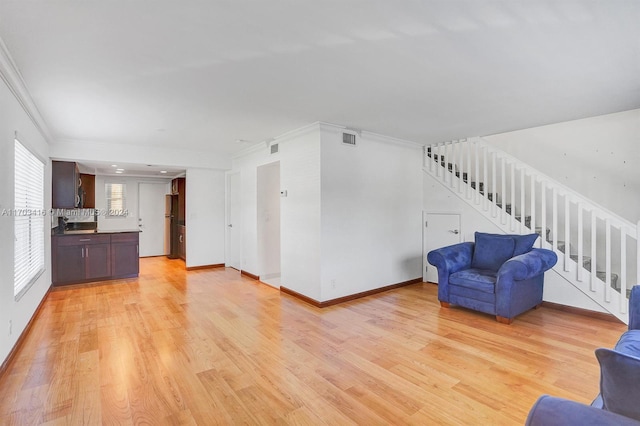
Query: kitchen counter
{"x": 54, "y": 231}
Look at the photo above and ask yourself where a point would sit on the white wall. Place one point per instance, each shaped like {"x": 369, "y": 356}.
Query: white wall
{"x": 247, "y": 166}
{"x": 300, "y": 213}
{"x": 371, "y": 213}
{"x": 205, "y": 219}
{"x": 13, "y": 118}
{"x": 299, "y": 157}
{"x": 268, "y": 204}
{"x": 597, "y": 157}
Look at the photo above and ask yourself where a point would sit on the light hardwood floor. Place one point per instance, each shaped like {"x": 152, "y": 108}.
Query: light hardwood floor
{"x": 211, "y": 347}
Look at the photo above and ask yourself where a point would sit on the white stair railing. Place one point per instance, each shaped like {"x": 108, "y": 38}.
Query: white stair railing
{"x": 597, "y": 249}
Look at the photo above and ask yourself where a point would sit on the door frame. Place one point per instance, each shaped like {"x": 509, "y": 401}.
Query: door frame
{"x": 141, "y": 183}
{"x": 424, "y": 236}
{"x": 227, "y": 217}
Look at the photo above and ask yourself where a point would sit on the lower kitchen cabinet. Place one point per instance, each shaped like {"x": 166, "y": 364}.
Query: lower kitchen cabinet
{"x": 125, "y": 255}
{"x": 93, "y": 257}
{"x": 182, "y": 242}
{"x": 68, "y": 263}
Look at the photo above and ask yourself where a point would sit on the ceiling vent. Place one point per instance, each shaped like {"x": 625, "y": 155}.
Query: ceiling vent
{"x": 274, "y": 148}
{"x": 349, "y": 139}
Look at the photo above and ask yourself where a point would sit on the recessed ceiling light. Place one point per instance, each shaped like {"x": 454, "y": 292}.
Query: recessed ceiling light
{"x": 119, "y": 171}
{"x": 114, "y": 165}
{"x": 163, "y": 171}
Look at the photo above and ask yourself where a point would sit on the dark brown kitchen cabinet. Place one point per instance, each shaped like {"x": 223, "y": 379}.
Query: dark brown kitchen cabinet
{"x": 179, "y": 188}
{"x": 65, "y": 183}
{"x": 124, "y": 255}
{"x": 94, "y": 257}
{"x": 68, "y": 263}
{"x": 78, "y": 258}
{"x": 87, "y": 191}
{"x": 182, "y": 242}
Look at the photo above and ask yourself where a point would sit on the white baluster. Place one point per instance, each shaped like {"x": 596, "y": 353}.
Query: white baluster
{"x": 532, "y": 225}
{"x": 638, "y": 252}
{"x": 623, "y": 269}
{"x": 494, "y": 183}
{"x": 447, "y": 155}
{"x": 580, "y": 244}
{"x": 460, "y": 161}
{"x": 477, "y": 173}
{"x": 513, "y": 196}
{"x": 468, "y": 186}
{"x": 543, "y": 213}
{"x": 593, "y": 250}
{"x": 607, "y": 269}
{"x": 485, "y": 183}
{"x": 554, "y": 219}
{"x": 523, "y": 210}
{"x": 503, "y": 192}
{"x": 567, "y": 233}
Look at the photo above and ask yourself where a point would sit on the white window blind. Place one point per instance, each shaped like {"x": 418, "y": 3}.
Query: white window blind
{"x": 116, "y": 199}
{"x": 28, "y": 219}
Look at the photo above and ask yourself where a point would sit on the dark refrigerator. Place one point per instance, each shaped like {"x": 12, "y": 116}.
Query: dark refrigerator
{"x": 171, "y": 225}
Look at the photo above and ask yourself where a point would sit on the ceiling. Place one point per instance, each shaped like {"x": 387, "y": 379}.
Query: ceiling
{"x": 219, "y": 76}
{"x": 102, "y": 168}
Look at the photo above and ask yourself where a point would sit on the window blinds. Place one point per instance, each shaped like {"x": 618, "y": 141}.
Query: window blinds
{"x": 115, "y": 199}
{"x": 29, "y": 217}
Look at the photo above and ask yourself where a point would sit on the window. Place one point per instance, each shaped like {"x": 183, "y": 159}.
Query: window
{"x": 116, "y": 199}
{"x": 28, "y": 219}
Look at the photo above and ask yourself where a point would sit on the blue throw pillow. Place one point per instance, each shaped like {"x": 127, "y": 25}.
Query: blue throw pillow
{"x": 619, "y": 378}
{"x": 524, "y": 243}
{"x": 492, "y": 250}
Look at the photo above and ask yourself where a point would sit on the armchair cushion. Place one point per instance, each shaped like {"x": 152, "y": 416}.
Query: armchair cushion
{"x": 619, "y": 378}
{"x": 491, "y": 251}
{"x": 524, "y": 243}
{"x": 478, "y": 279}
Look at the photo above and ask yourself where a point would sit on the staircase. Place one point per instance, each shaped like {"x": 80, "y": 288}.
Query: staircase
{"x": 598, "y": 251}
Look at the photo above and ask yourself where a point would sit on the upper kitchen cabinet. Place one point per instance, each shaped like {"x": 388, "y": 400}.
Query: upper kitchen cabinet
{"x": 65, "y": 180}
{"x": 179, "y": 188}
{"x": 87, "y": 191}
{"x": 70, "y": 189}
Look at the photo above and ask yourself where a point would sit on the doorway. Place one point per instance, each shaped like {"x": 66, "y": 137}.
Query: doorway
{"x": 151, "y": 220}
{"x": 439, "y": 230}
{"x": 268, "y": 226}
{"x": 233, "y": 237}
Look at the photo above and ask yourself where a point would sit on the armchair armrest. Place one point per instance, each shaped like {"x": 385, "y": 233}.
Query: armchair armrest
{"x": 453, "y": 258}
{"x": 529, "y": 265}
{"x": 634, "y": 308}
{"x": 551, "y": 411}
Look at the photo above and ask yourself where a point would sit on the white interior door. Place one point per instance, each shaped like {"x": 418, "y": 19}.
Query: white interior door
{"x": 440, "y": 230}
{"x": 151, "y": 207}
{"x": 233, "y": 246}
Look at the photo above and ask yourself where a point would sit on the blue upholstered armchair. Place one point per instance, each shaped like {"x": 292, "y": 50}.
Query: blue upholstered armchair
{"x": 501, "y": 275}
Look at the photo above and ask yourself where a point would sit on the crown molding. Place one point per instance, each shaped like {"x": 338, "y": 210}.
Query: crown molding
{"x": 13, "y": 79}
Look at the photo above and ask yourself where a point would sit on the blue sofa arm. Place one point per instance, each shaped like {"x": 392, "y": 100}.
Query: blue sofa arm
{"x": 448, "y": 260}
{"x": 528, "y": 265}
{"x": 551, "y": 411}
{"x": 634, "y": 308}
{"x": 452, "y": 258}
